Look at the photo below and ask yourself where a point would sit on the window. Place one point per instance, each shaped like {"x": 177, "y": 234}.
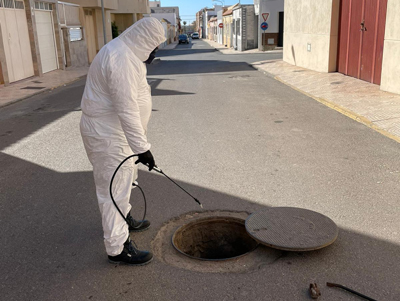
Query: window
{"x": 75, "y": 34}
{"x": 238, "y": 27}
{"x": 9, "y": 3}
{"x": 43, "y": 6}
{"x": 19, "y": 4}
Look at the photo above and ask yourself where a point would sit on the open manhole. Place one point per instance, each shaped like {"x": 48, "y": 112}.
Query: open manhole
{"x": 214, "y": 238}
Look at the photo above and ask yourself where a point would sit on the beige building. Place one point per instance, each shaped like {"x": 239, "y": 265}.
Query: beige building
{"x": 357, "y": 38}
{"x": 129, "y": 12}
{"x": 92, "y": 20}
{"x": 30, "y": 41}
{"x": 72, "y": 35}
{"x": 227, "y": 20}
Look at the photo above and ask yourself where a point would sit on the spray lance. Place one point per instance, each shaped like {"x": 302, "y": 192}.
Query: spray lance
{"x": 155, "y": 168}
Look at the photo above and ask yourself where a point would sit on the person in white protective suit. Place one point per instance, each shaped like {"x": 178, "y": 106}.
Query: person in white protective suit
{"x": 116, "y": 107}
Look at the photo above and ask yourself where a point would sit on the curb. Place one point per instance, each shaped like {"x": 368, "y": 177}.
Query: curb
{"x": 40, "y": 92}
{"x": 354, "y": 116}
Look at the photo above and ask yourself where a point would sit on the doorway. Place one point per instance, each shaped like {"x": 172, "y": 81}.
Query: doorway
{"x": 361, "y": 38}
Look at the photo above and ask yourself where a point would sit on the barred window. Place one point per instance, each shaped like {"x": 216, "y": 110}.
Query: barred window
{"x": 9, "y": 3}
{"x": 43, "y": 6}
{"x": 19, "y": 4}
{"x": 75, "y": 34}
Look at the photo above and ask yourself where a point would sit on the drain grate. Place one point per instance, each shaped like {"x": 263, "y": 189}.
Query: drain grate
{"x": 32, "y": 88}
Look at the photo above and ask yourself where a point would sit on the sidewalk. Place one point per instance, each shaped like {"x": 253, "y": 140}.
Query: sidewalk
{"x": 357, "y": 99}
{"x": 226, "y": 50}
{"x": 170, "y": 46}
{"x": 36, "y": 85}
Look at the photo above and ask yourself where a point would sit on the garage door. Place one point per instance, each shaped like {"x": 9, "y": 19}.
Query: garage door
{"x": 47, "y": 47}
{"x": 14, "y": 30}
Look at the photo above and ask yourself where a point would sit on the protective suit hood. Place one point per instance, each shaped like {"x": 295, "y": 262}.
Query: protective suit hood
{"x": 143, "y": 36}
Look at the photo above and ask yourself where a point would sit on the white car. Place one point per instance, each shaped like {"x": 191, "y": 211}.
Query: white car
{"x": 195, "y": 35}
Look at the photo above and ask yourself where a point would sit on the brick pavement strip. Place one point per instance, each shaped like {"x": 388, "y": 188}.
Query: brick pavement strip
{"x": 36, "y": 85}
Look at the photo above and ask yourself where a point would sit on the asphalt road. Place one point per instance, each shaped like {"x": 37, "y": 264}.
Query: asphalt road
{"x": 235, "y": 138}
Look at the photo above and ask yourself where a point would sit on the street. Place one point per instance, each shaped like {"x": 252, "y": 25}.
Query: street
{"x": 237, "y": 139}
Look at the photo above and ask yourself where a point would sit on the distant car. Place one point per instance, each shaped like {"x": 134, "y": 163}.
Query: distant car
{"x": 183, "y": 39}
{"x": 195, "y": 35}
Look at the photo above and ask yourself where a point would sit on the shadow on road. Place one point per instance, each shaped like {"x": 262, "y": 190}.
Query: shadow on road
{"x": 173, "y": 67}
{"x": 52, "y": 246}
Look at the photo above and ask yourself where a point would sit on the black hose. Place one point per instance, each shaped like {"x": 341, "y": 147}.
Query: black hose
{"x": 112, "y": 198}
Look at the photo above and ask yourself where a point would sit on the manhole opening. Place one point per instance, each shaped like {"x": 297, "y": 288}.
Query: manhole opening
{"x": 214, "y": 238}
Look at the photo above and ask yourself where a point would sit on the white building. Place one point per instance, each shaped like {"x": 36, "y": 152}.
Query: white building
{"x": 220, "y": 30}
{"x": 271, "y": 12}
{"x": 155, "y": 3}
{"x": 245, "y": 28}
{"x": 208, "y": 13}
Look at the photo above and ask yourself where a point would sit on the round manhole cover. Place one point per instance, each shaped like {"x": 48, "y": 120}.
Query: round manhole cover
{"x": 214, "y": 238}
{"x": 292, "y": 229}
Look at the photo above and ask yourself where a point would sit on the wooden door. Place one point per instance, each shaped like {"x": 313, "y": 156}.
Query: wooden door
{"x": 361, "y": 38}
{"x": 90, "y": 34}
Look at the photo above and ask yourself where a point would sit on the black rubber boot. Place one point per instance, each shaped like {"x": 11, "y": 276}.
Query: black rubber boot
{"x": 137, "y": 226}
{"x": 131, "y": 255}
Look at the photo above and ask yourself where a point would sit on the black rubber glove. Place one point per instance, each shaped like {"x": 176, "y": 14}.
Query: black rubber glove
{"x": 146, "y": 158}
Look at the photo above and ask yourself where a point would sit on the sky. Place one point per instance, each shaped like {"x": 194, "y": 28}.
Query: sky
{"x": 189, "y": 8}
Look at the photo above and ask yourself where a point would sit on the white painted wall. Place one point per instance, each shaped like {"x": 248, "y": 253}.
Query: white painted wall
{"x": 273, "y": 7}
{"x": 171, "y": 17}
{"x": 237, "y": 37}
{"x": 220, "y": 30}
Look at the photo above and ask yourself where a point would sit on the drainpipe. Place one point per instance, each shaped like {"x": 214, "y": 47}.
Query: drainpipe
{"x": 104, "y": 22}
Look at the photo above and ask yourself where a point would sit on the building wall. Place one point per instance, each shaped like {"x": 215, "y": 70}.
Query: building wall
{"x": 99, "y": 26}
{"x": 155, "y": 3}
{"x": 273, "y": 7}
{"x": 132, "y": 7}
{"x": 311, "y": 34}
{"x": 220, "y": 30}
{"x": 171, "y": 17}
{"x": 75, "y": 52}
{"x": 228, "y": 30}
{"x": 108, "y": 4}
{"x": 165, "y": 26}
{"x": 237, "y": 36}
{"x": 252, "y": 26}
{"x": 123, "y": 21}
{"x": 391, "y": 51}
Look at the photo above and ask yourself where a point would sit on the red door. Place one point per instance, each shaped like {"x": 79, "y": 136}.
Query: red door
{"x": 361, "y": 38}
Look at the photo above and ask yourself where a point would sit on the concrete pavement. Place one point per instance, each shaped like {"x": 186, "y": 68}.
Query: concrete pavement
{"x": 359, "y": 100}
{"x": 238, "y": 140}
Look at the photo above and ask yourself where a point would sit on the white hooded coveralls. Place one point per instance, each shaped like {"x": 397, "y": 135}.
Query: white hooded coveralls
{"x": 116, "y": 107}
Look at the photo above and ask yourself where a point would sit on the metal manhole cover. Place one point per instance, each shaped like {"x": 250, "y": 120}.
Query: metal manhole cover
{"x": 292, "y": 229}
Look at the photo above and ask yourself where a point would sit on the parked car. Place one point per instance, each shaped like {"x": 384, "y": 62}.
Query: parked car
{"x": 183, "y": 39}
{"x": 195, "y": 35}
